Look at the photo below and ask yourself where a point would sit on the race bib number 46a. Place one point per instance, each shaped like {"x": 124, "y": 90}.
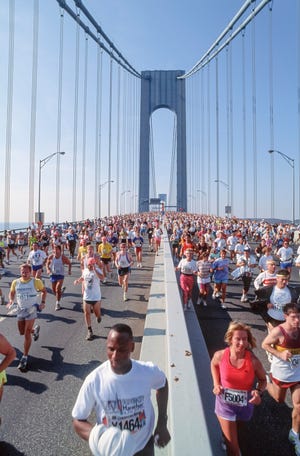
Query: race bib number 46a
{"x": 235, "y": 397}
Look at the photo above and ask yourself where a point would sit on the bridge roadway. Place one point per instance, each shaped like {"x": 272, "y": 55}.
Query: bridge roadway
{"x": 37, "y": 405}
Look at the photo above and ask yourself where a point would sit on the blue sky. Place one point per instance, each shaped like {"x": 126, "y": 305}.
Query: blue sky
{"x": 156, "y": 35}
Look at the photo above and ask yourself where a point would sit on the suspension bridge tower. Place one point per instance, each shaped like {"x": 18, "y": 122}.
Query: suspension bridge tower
{"x": 162, "y": 89}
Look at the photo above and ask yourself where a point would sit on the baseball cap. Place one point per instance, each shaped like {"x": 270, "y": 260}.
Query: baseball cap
{"x": 111, "y": 441}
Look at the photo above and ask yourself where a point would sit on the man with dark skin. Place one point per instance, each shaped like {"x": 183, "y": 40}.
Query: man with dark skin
{"x": 119, "y": 391}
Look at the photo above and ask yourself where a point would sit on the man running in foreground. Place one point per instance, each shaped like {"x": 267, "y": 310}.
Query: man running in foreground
{"x": 119, "y": 391}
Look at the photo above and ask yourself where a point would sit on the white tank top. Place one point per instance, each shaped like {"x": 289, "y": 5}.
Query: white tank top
{"x": 26, "y": 294}
{"x": 57, "y": 266}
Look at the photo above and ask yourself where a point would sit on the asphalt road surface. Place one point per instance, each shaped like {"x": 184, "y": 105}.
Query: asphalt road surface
{"x": 36, "y": 406}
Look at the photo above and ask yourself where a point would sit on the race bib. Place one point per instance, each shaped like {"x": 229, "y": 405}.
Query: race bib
{"x": 295, "y": 361}
{"x": 235, "y": 397}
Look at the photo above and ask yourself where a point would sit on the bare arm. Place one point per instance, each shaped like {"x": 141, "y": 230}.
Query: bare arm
{"x": 215, "y": 372}
{"x": 8, "y": 351}
{"x": 161, "y": 429}
{"x": 272, "y": 339}
{"x": 82, "y": 428}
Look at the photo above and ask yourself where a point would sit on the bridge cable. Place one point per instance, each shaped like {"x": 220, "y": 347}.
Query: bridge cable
{"x": 83, "y": 171}
{"x": 219, "y": 47}
{"x": 33, "y": 108}
{"x": 118, "y": 58}
{"x": 10, "y": 77}
{"x": 98, "y": 121}
{"x": 118, "y": 138}
{"x": 209, "y": 177}
{"x": 254, "y": 138}
{"x": 271, "y": 95}
{"x": 59, "y": 112}
{"x": 110, "y": 133}
{"x": 217, "y": 137}
{"x": 297, "y": 192}
{"x": 75, "y": 125}
{"x": 244, "y": 116}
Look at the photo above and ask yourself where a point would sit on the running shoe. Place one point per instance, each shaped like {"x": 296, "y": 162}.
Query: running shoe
{"x": 199, "y": 301}
{"x": 125, "y": 297}
{"x": 57, "y": 306}
{"x": 189, "y": 304}
{"x": 36, "y": 332}
{"x": 294, "y": 439}
{"x": 63, "y": 290}
{"x": 23, "y": 364}
{"x": 204, "y": 302}
{"x": 99, "y": 319}
{"x": 223, "y": 306}
{"x": 90, "y": 335}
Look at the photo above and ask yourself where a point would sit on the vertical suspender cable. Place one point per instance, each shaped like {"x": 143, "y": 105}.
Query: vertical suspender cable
{"x": 124, "y": 158}
{"x": 10, "y": 77}
{"x": 217, "y": 135}
{"x": 33, "y": 108}
{"x": 59, "y": 103}
{"x": 75, "y": 125}
{"x": 208, "y": 144}
{"x": 201, "y": 163}
{"x": 297, "y": 193}
{"x": 271, "y": 107}
{"x": 230, "y": 181}
{"x": 227, "y": 120}
{"x": 98, "y": 129}
{"x": 109, "y": 134}
{"x": 245, "y": 174}
{"x": 118, "y": 139}
{"x": 254, "y": 121}
{"x": 84, "y": 127}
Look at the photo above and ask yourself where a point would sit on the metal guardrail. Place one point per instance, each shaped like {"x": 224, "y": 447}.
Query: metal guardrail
{"x": 173, "y": 340}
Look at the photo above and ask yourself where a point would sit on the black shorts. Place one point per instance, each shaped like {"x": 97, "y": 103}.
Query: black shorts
{"x": 106, "y": 260}
{"x": 91, "y": 303}
{"x": 123, "y": 271}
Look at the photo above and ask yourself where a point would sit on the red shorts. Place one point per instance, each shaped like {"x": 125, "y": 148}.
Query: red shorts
{"x": 284, "y": 385}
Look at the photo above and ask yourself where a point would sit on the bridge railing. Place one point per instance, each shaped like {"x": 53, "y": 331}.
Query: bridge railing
{"x": 174, "y": 341}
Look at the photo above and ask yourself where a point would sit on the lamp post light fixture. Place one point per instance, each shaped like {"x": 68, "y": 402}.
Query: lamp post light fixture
{"x": 291, "y": 163}
{"x": 100, "y": 187}
{"x": 42, "y": 163}
{"x": 228, "y": 207}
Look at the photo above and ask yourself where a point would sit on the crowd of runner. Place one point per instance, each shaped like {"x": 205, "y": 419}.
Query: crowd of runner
{"x": 208, "y": 252}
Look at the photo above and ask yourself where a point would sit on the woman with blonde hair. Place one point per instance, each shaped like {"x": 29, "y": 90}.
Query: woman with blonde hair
{"x": 234, "y": 371}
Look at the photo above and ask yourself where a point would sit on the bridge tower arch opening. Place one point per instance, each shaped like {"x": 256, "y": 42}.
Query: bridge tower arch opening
{"x": 162, "y": 89}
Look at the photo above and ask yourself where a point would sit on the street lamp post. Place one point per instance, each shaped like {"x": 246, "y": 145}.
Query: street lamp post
{"x": 42, "y": 163}
{"x": 100, "y": 188}
{"x": 291, "y": 162}
{"x": 227, "y": 186}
